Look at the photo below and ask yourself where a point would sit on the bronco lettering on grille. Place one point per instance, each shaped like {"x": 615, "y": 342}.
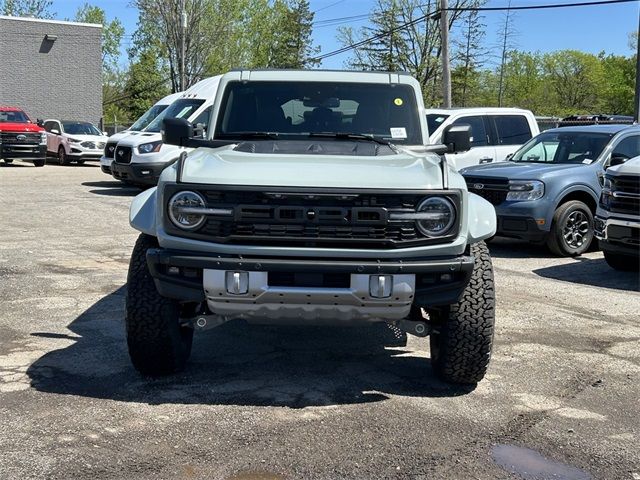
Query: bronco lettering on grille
{"x": 313, "y": 215}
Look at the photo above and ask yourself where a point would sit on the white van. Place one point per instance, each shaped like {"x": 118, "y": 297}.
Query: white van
{"x": 496, "y": 133}
{"x": 146, "y": 118}
{"x": 139, "y": 159}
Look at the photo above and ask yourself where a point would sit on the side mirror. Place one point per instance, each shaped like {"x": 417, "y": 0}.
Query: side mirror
{"x": 617, "y": 159}
{"x": 106, "y": 134}
{"x": 56, "y": 131}
{"x": 457, "y": 138}
{"x": 176, "y": 131}
{"x": 39, "y": 122}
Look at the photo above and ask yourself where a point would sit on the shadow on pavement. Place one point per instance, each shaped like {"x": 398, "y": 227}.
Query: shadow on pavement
{"x": 501, "y": 247}
{"x": 113, "y": 188}
{"x": 87, "y": 163}
{"x": 594, "y": 272}
{"x": 238, "y": 364}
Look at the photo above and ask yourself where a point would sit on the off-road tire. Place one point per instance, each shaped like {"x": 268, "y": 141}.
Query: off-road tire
{"x": 462, "y": 333}
{"x": 556, "y": 242}
{"x": 158, "y": 345}
{"x": 624, "y": 263}
{"x": 62, "y": 156}
{"x": 39, "y": 163}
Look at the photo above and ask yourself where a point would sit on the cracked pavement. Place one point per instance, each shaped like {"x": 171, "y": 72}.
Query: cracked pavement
{"x": 296, "y": 403}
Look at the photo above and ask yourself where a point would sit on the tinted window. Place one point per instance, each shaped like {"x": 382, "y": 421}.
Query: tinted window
{"x": 563, "y": 147}
{"x": 629, "y": 147}
{"x": 512, "y": 129}
{"x": 182, "y": 108}
{"x": 49, "y": 125}
{"x": 80, "y": 128}
{"x": 297, "y": 109}
{"x": 478, "y": 130}
{"x": 13, "y": 116}
{"x": 147, "y": 117}
{"x": 434, "y": 120}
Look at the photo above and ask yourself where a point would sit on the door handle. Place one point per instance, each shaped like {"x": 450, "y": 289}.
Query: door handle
{"x": 486, "y": 160}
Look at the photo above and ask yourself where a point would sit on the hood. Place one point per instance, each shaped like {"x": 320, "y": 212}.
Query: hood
{"x": 20, "y": 127}
{"x": 630, "y": 167}
{"x": 517, "y": 170}
{"x": 228, "y": 167}
{"x": 138, "y": 138}
{"x": 88, "y": 138}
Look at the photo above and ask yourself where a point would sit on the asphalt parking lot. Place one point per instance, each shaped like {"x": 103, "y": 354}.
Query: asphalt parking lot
{"x": 560, "y": 399}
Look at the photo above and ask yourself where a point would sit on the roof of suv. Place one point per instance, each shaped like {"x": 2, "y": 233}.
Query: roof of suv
{"x": 347, "y": 76}
{"x": 452, "y": 110}
{"x": 612, "y": 129}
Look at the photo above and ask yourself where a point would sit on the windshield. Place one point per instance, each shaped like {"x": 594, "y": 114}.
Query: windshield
{"x": 13, "y": 116}
{"x": 434, "y": 120}
{"x": 80, "y": 128}
{"x": 295, "y": 109}
{"x": 563, "y": 147}
{"x": 146, "y": 118}
{"x": 182, "y": 108}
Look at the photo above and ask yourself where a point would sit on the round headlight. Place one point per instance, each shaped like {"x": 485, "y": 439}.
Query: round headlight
{"x": 180, "y": 210}
{"x": 438, "y": 217}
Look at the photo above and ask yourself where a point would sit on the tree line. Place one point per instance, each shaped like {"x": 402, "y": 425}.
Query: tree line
{"x": 401, "y": 35}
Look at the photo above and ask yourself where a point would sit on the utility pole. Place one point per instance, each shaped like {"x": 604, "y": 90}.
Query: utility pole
{"x": 183, "y": 29}
{"x": 444, "y": 52}
{"x": 636, "y": 114}
{"x": 504, "y": 55}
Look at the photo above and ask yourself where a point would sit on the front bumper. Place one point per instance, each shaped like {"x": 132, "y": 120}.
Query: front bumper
{"x": 426, "y": 282}
{"x": 618, "y": 235}
{"x": 78, "y": 154}
{"x": 23, "y": 152}
{"x": 525, "y": 228}
{"x": 139, "y": 173}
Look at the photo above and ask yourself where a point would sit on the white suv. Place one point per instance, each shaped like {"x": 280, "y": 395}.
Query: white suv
{"x": 74, "y": 141}
{"x": 496, "y": 133}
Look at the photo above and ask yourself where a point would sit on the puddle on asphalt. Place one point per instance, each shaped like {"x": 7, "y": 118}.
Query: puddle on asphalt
{"x": 256, "y": 475}
{"x": 530, "y": 465}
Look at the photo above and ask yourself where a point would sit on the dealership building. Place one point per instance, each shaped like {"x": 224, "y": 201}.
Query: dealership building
{"x": 51, "y": 69}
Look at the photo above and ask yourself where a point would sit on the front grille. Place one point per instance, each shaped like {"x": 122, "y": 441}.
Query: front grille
{"x": 110, "y": 149}
{"x": 494, "y": 190}
{"x": 625, "y": 195}
{"x": 312, "y": 219}
{"x": 17, "y": 138}
{"x": 123, "y": 155}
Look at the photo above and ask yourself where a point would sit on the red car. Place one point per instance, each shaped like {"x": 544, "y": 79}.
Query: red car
{"x": 21, "y": 138}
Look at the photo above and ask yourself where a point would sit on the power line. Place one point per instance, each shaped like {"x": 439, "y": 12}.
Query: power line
{"x": 462, "y": 9}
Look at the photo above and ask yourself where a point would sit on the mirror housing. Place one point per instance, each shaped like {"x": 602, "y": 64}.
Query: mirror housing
{"x": 106, "y": 134}
{"x": 617, "y": 160}
{"x": 39, "y": 122}
{"x": 457, "y": 138}
{"x": 55, "y": 131}
{"x": 176, "y": 131}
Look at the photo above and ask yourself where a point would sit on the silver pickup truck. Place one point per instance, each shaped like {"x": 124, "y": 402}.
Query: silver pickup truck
{"x": 315, "y": 199}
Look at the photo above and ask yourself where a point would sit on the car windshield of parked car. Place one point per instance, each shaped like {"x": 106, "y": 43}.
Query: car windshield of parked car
{"x": 80, "y": 128}
{"x": 13, "y": 116}
{"x": 386, "y": 112}
{"x": 563, "y": 147}
{"x": 434, "y": 120}
{"x": 182, "y": 108}
{"x": 147, "y": 117}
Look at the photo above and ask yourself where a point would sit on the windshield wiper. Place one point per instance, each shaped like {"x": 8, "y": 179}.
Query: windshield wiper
{"x": 349, "y": 136}
{"x": 245, "y": 135}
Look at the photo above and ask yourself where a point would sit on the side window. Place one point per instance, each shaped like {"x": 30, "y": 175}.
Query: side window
{"x": 512, "y": 129}
{"x": 48, "y": 126}
{"x": 478, "y": 130}
{"x": 203, "y": 118}
{"x": 629, "y": 147}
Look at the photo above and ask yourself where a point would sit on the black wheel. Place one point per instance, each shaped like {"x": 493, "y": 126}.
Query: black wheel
{"x": 39, "y": 163}
{"x": 462, "y": 333}
{"x": 571, "y": 229}
{"x": 7, "y": 160}
{"x": 624, "y": 263}
{"x": 62, "y": 156}
{"x": 158, "y": 345}
{"x": 80, "y": 162}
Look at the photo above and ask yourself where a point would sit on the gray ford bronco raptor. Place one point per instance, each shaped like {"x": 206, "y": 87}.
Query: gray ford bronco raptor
{"x": 314, "y": 200}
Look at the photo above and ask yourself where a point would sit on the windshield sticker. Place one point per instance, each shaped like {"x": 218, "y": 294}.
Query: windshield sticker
{"x": 398, "y": 101}
{"x": 398, "y": 132}
{"x": 587, "y": 161}
{"x": 183, "y": 112}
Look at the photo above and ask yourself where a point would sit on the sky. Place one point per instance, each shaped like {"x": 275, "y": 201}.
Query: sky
{"x": 591, "y": 29}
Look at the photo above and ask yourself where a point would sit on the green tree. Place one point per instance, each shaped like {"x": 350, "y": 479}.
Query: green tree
{"x": 617, "y": 94}
{"x": 468, "y": 59}
{"x": 27, "y": 8}
{"x": 112, "y": 33}
{"x": 292, "y": 29}
{"x": 146, "y": 83}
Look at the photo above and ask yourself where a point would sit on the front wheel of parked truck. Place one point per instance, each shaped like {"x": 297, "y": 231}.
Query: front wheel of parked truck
{"x": 623, "y": 263}
{"x": 462, "y": 333}
{"x": 571, "y": 229}
{"x": 158, "y": 345}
